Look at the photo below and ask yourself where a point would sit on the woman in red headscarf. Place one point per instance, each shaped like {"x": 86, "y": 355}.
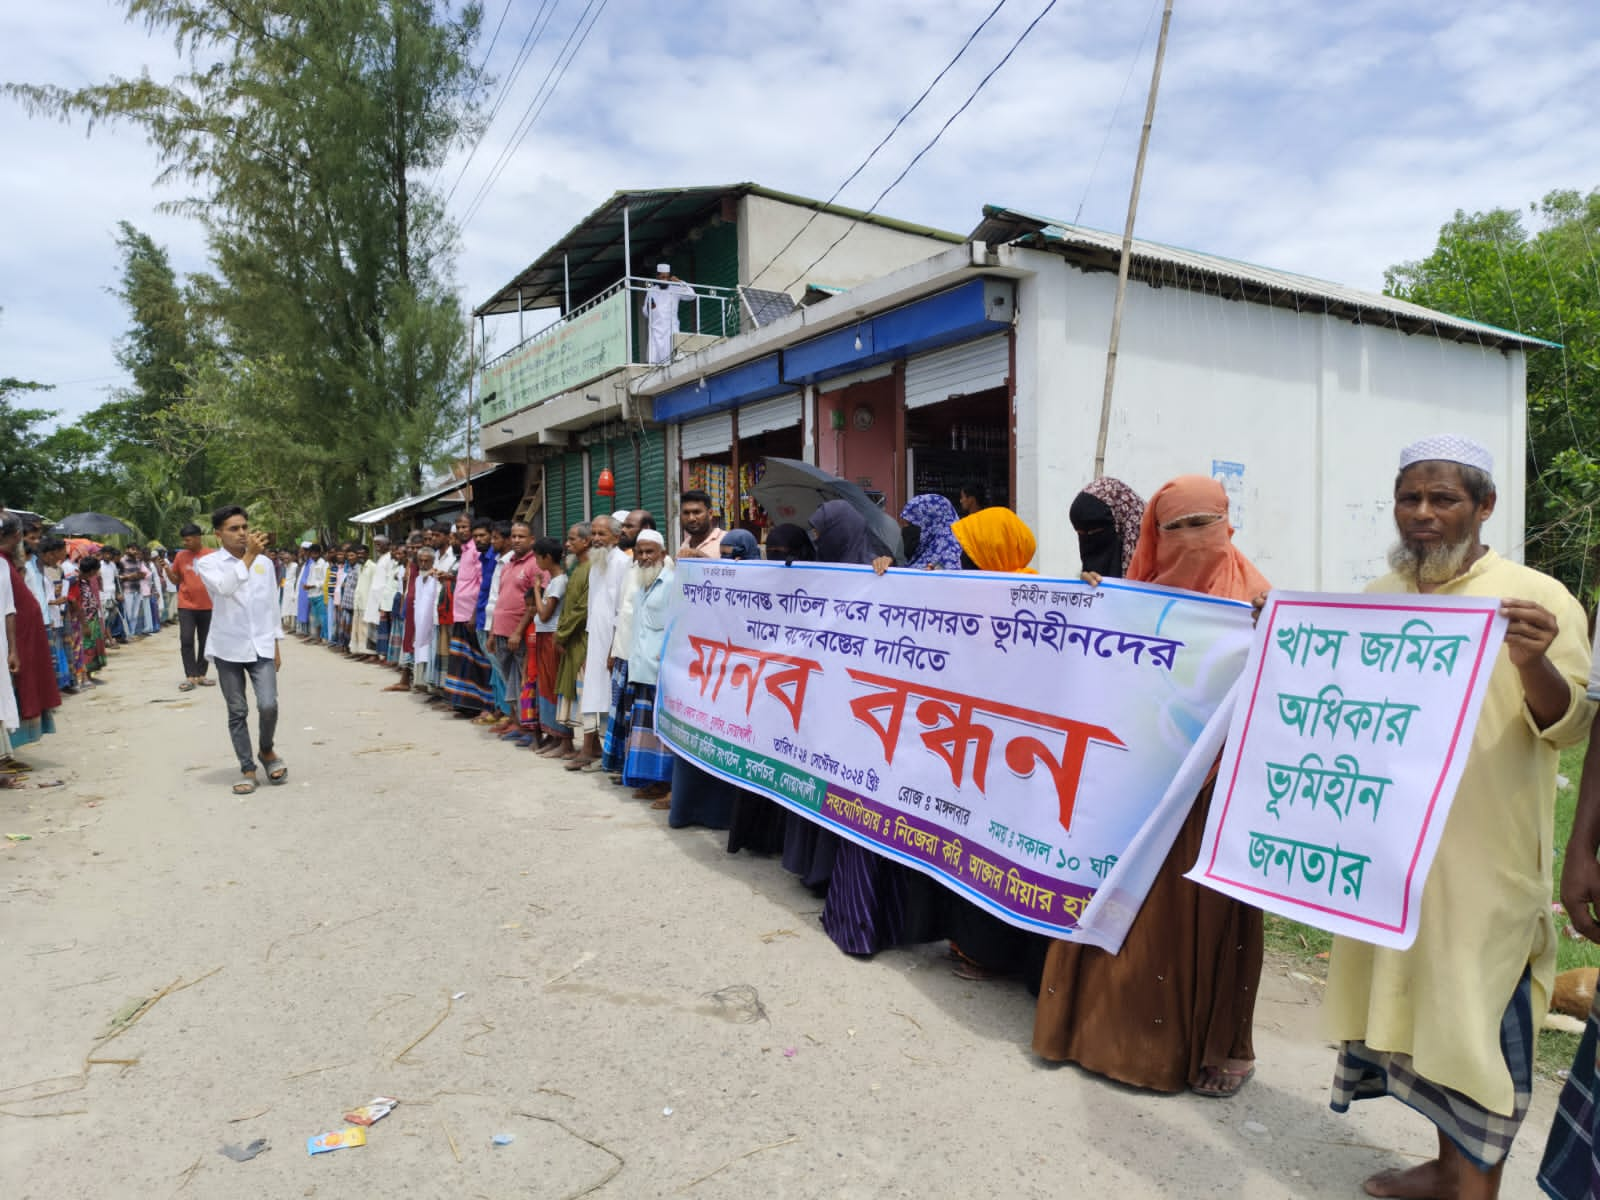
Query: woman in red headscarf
{"x": 1175, "y": 1007}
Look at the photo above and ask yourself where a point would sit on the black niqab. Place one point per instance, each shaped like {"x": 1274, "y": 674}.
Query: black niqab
{"x": 1098, "y": 544}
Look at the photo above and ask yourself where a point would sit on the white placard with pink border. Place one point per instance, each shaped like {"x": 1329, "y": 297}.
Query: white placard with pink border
{"x": 1349, "y": 739}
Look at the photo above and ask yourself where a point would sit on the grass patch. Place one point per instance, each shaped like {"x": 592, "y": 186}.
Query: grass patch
{"x": 1308, "y": 946}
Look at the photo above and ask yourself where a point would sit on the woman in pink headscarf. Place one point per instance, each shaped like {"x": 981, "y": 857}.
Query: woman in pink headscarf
{"x": 1175, "y": 1008}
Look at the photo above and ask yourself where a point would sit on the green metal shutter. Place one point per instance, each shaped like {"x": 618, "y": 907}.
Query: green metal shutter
{"x": 572, "y": 489}
{"x": 625, "y": 468}
{"x": 716, "y": 263}
{"x": 653, "y": 474}
{"x": 552, "y": 499}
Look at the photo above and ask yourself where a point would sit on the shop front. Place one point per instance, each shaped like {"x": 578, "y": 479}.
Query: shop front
{"x": 723, "y": 455}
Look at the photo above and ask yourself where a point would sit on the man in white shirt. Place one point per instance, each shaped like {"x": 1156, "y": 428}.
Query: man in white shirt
{"x": 243, "y": 639}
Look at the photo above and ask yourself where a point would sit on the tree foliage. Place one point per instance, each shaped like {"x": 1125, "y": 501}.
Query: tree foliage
{"x": 318, "y": 365}
{"x": 1545, "y": 282}
{"x": 24, "y": 465}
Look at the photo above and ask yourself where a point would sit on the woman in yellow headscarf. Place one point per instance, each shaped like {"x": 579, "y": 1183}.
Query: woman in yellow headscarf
{"x": 996, "y": 539}
{"x": 985, "y": 947}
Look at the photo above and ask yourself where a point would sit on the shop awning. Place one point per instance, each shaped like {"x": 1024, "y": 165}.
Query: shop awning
{"x": 377, "y": 516}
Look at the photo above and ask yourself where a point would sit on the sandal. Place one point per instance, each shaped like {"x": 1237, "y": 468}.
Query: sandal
{"x": 578, "y": 764}
{"x": 186, "y": 686}
{"x": 207, "y": 682}
{"x": 663, "y": 804}
{"x": 245, "y": 786}
{"x": 277, "y": 769}
{"x": 1226, "y": 1082}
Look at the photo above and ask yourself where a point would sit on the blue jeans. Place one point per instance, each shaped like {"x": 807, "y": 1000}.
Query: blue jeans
{"x": 135, "y": 615}
{"x": 264, "y": 679}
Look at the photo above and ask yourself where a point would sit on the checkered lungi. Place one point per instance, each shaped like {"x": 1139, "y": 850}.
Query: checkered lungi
{"x": 1484, "y": 1137}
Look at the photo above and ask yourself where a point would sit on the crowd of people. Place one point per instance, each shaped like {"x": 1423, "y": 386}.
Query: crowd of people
{"x": 68, "y": 603}
{"x": 550, "y": 645}
{"x": 555, "y": 647}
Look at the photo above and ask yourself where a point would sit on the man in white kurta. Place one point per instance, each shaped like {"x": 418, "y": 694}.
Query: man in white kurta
{"x": 360, "y": 627}
{"x": 382, "y": 569}
{"x": 1447, "y": 1027}
{"x": 608, "y": 573}
{"x": 10, "y": 716}
{"x": 661, "y": 302}
{"x": 426, "y": 619}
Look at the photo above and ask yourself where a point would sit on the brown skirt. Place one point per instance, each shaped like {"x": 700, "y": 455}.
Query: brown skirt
{"x": 1180, "y": 996}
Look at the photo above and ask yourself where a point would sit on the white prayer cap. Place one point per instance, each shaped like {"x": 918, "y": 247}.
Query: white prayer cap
{"x": 650, "y": 537}
{"x": 1448, "y": 448}
{"x": 620, "y": 515}
{"x": 305, "y": 545}
{"x": 663, "y": 268}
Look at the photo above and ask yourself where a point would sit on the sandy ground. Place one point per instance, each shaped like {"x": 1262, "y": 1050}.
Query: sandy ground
{"x": 331, "y": 921}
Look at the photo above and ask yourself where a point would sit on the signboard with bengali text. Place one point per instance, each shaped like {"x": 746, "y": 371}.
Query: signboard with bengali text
{"x": 567, "y": 355}
{"x": 1006, "y": 734}
{"x": 1352, "y": 729}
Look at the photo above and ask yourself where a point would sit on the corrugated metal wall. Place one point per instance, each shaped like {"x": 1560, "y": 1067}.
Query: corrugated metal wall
{"x": 653, "y": 474}
{"x": 716, "y": 262}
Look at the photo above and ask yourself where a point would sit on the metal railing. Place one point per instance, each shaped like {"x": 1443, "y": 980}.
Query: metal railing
{"x": 714, "y": 312}
{"x": 602, "y": 335}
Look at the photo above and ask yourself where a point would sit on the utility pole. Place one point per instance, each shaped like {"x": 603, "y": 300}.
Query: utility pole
{"x": 1127, "y": 247}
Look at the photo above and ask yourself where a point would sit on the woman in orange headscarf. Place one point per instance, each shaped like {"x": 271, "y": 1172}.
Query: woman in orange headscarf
{"x": 1176, "y": 1007}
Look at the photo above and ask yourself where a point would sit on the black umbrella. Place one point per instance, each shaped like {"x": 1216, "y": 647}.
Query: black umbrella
{"x": 92, "y": 524}
{"x": 792, "y": 490}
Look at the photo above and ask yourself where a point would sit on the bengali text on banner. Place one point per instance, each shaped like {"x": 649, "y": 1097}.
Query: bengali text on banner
{"x": 1007, "y": 735}
{"x": 1350, "y": 734}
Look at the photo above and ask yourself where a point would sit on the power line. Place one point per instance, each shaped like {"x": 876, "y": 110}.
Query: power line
{"x": 895, "y": 128}
{"x": 493, "y": 38}
{"x": 530, "y": 41}
{"x": 519, "y": 132}
{"x": 1116, "y": 111}
{"x": 934, "y": 141}
{"x": 531, "y": 115}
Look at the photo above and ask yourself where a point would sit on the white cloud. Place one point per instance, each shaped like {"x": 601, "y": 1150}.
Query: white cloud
{"x": 1328, "y": 139}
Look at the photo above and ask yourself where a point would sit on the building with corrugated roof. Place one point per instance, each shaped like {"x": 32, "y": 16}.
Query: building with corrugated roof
{"x": 985, "y": 363}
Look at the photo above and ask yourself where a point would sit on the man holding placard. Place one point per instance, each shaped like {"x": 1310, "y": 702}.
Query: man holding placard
{"x": 1448, "y": 1025}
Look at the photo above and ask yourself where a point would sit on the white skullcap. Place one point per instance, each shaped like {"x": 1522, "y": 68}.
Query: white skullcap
{"x": 620, "y": 515}
{"x": 1448, "y": 448}
{"x": 305, "y": 545}
{"x": 650, "y": 537}
{"x": 663, "y": 268}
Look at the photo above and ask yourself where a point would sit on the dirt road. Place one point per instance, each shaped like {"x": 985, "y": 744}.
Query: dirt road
{"x": 427, "y": 914}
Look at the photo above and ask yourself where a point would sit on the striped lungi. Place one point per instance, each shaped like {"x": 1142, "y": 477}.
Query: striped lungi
{"x": 648, "y": 759}
{"x": 384, "y": 621}
{"x": 1483, "y": 1136}
{"x": 614, "y": 746}
{"x": 468, "y": 676}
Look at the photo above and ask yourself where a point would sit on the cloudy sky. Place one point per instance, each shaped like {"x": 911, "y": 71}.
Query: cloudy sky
{"x": 1330, "y": 139}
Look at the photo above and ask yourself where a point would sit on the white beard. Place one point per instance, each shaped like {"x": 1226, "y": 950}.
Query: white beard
{"x": 648, "y": 575}
{"x": 599, "y": 559}
{"x": 1434, "y": 566}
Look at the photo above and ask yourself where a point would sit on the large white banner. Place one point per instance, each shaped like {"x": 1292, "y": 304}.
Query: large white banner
{"x": 1347, "y": 743}
{"x": 1008, "y": 735}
